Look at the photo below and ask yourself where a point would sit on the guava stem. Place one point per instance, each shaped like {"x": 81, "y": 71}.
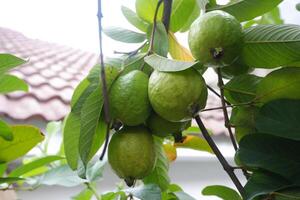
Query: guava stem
{"x": 219, "y": 155}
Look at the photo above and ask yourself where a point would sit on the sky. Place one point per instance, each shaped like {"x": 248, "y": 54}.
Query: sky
{"x": 74, "y": 22}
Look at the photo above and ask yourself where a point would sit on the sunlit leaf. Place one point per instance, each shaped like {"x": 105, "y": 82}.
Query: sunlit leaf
{"x": 245, "y": 10}
{"x": 8, "y": 61}
{"x": 25, "y": 137}
{"x": 5, "y": 131}
{"x": 134, "y": 19}
{"x": 195, "y": 143}
{"x": 222, "y": 192}
{"x": 177, "y": 51}
{"x": 10, "y": 83}
{"x": 40, "y": 162}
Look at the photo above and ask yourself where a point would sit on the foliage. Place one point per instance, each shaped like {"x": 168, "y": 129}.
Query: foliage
{"x": 265, "y": 112}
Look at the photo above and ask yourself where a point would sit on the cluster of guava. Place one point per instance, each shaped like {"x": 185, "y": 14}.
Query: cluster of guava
{"x": 166, "y": 102}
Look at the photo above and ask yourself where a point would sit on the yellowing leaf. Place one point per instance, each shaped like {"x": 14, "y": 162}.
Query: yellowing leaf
{"x": 178, "y": 51}
{"x": 194, "y": 142}
{"x": 170, "y": 151}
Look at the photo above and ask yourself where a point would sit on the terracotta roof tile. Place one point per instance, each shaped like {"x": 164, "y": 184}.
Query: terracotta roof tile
{"x": 53, "y": 71}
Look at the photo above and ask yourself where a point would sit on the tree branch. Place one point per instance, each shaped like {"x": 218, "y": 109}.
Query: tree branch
{"x": 225, "y": 112}
{"x": 154, "y": 26}
{"x": 167, "y": 13}
{"x": 223, "y": 161}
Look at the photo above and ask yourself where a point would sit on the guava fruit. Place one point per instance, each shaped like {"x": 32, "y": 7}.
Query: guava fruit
{"x": 215, "y": 38}
{"x": 162, "y": 127}
{"x": 129, "y": 100}
{"x": 177, "y": 96}
{"x": 131, "y": 153}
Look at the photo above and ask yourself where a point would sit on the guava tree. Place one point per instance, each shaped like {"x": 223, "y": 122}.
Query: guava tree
{"x": 146, "y": 98}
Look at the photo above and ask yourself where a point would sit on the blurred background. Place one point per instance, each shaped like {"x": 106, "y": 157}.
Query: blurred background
{"x": 60, "y": 37}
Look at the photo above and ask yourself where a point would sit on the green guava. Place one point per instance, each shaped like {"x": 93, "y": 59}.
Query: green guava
{"x": 163, "y": 128}
{"x": 215, "y": 38}
{"x": 129, "y": 100}
{"x": 177, "y": 96}
{"x": 131, "y": 153}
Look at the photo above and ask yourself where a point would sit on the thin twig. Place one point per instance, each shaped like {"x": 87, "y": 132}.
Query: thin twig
{"x": 219, "y": 155}
{"x": 131, "y": 53}
{"x": 93, "y": 190}
{"x": 225, "y": 112}
{"x": 216, "y": 93}
{"x": 102, "y": 71}
{"x": 227, "y": 106}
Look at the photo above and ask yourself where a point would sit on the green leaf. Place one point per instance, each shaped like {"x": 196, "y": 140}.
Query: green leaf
{"x": 245, "y": 10}
{"x": 275, "y": 154}
{"x": 159, "y": 175}
{"x": 71, "y": 139}
{"x": 5, "y": 131}
{"x": 242, "y": 89}
{"x": 181, "y": 10}
{"x": 3, "y": 168}
{"x": 24, "y": 139}
{"x": 79, "y": 90}
{"x": 262, "y": 183}
{"x": 85, "y": 194}
{"x": 272, "y": 17}
{"x": 145, "y": 9}
{"x": 183, "y": 196}
{"x": 146, "y": 192}
{"x": 193, "y": 16}
{"x": 134, "y": 19}
{"x": 222, "y": 192}
{"x": 283, "y": 83}
{"x": 270, "y": 46}
{"x": 40, "y": 162}
{"x": 124, "y": 35}
{"x": 10, "y": 180}
{"x": 61, "y": 176}
{"x": 161, "y": 41}
{"x": 89, "y": 118}
{"x": 10, "y": 83}
{"x": 194, "y": 142}
{"x": 135, "y": 63}
{"x": 243, "y": 118}
{"x": 167, "y": 65}
{"x": 8, "y": 61}
{"x": 280, "y": 118}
